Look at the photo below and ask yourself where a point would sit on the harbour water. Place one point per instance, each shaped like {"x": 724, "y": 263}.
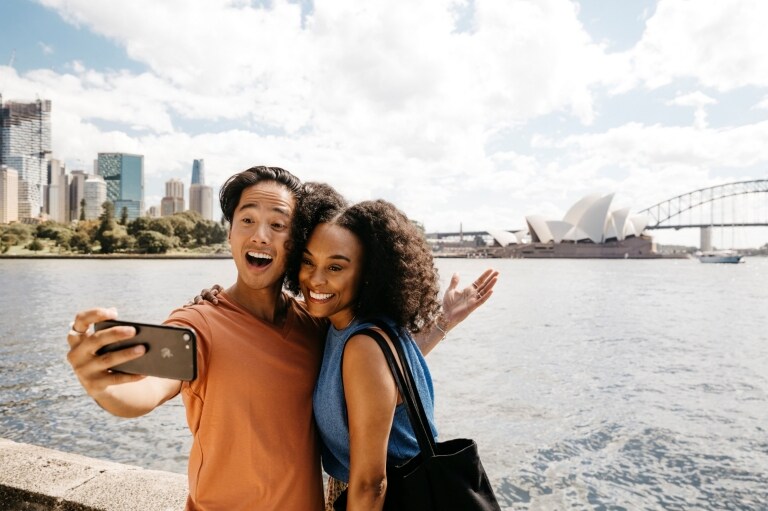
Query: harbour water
{"x": 588, "y": 384}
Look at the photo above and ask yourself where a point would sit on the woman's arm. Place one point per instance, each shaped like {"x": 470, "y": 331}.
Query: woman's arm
{"x": 457, "y": 306}
{"x": 371, "y": 396}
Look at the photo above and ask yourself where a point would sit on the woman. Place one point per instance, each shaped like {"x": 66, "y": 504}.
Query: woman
{"x": 357, "y": 263}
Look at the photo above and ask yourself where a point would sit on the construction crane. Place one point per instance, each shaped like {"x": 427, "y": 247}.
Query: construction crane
{"x": 10, "y": 64}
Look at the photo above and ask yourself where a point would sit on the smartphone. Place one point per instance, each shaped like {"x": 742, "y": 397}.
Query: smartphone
{"x": 171, "y": 350}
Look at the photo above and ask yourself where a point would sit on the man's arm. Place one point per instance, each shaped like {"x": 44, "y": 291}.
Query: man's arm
{"x": 123, "y": 395}
{"x": 457, "y": 306}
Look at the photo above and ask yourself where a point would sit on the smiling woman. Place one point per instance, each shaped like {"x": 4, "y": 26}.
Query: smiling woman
{"x": 358, "y": 266}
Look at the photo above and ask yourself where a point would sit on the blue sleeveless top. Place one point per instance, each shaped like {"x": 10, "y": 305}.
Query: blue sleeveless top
{"x": 331, "y": 410}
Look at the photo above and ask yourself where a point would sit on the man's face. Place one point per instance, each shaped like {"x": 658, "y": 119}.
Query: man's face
{"x": 259, "y": 233}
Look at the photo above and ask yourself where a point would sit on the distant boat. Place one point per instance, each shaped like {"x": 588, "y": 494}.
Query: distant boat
{"x": 720, "y": 256}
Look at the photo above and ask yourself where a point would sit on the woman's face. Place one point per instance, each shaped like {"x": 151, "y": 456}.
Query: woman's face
{"x": 331, "y": 269}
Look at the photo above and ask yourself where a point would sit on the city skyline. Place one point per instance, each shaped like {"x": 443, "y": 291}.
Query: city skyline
{"x": 462, "y": 113}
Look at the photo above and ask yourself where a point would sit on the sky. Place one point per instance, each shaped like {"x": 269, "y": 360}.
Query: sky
{"x": 466, "y": 114}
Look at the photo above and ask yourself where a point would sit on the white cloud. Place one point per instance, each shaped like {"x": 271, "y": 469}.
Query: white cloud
{"x": 695, "y": 99}
{"x": 391, "y": 99}
{"x": 698, "y": 100}
{"x": 720, "y": 44}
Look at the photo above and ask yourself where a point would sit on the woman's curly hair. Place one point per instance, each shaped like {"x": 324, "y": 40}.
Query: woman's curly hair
{"x": 399, "y": 278}
{"x": 317, "y": 203}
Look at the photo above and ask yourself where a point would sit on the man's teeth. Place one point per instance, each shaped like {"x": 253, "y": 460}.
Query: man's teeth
{"x": 320, "y": 296}
{"x": 259, "y": 255}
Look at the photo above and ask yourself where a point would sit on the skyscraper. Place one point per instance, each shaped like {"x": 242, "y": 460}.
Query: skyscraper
{"x": 76, "y": 193}
{"x": 173, "y": 202}
{"x": 201, "y": 200}
{"x": 95, "y": 194}
{"x": 9, "y": 195}
{"x": 200, "y": 195}
{"x": 174, "y": 188}
{"x": 124, "y": 176}
{"x": 198, "y": 172}
{"x": 58, "y": 192}
{"x": 25, "y": 145}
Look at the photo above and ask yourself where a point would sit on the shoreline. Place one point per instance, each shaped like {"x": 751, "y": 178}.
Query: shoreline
{"x": 116, "y": 256}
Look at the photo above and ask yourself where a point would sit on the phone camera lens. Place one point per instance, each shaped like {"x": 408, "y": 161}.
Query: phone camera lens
{"x": 185, "y": 337}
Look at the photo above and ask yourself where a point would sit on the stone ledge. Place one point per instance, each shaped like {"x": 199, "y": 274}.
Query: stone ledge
{"x": 34, "y": 478}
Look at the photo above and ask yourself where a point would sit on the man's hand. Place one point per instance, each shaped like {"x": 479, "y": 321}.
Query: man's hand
{"x": 124, "y": 395}
{"x": 91, "y": 369}
{"x": 457, "y": 305}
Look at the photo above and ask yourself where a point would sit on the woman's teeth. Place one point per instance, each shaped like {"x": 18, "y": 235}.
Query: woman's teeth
{"x": 320, "y": 296}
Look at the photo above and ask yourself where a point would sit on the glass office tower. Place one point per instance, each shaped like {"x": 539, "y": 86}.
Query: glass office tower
{"x": 124, "y": 176}
{"x": 198, "y": 172}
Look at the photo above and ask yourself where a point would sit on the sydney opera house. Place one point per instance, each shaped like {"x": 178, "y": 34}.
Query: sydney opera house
{"x": 590, "y": 229}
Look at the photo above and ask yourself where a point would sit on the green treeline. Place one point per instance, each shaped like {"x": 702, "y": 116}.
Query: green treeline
{"x": 145, "y": 235}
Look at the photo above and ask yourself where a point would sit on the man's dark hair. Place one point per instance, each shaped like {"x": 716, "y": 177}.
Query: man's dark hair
{"x": 230, "y": 193}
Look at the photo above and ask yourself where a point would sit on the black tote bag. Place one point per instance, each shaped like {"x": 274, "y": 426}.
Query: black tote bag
{"x": 444, "y": 476}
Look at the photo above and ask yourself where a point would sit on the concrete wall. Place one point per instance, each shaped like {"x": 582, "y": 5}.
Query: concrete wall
{"x": 35, "y": 479}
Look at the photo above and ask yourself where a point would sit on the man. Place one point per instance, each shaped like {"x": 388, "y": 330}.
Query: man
{"x": 259, "y": 352}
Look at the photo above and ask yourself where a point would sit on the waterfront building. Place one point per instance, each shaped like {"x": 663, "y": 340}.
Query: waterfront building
{"x": 201, "y": 200}
{"x": 25, "y": 145}
{"x": 95, "y": 194}
{"x": 124, "y": 175}
{"x": 174, "y": 188}
{"x": 590, "y": 228}
{"x": 173, "y": 202}
{"x": 58, "y": 193}
{"x": 171, "y": 205}
{"x": 198, "y": 172}
{"x": 590, "y": 219}
{"x": 76, "y": 192}
{"x": 9, "y": 195}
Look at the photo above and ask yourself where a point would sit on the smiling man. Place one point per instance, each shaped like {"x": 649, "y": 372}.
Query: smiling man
{"x": 250, "y": 409}
{"x": 259, "y": 353}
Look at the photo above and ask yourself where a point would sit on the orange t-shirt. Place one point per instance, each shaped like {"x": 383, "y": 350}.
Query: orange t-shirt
{"x": 250, "y": 409}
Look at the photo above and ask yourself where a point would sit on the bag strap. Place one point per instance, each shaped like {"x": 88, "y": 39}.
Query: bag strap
{"x": 386, "y": 328}
{"x": 414, "y": 407}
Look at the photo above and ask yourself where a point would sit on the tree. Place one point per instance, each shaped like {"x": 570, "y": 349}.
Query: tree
{"x": 82, "y": 209}
{"x": 141, "y": 223}
{"x": 81, "y": 242}
{"x": 152, "y": 242}
{"x": 183, "y": 228}
{"x": 124, "y": 216}
{"x": 162, "y": 225}
{"x": 218, "y": 233}
{"x": 36, "y": 245}
{"x": 105, "y": 233}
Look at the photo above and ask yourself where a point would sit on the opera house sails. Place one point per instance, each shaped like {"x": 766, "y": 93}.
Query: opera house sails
{"x": 590, "y": 229}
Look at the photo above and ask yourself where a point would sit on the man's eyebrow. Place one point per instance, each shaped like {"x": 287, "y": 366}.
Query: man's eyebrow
{"x": 276, "y": 209}
{"x": 336, "y": 256}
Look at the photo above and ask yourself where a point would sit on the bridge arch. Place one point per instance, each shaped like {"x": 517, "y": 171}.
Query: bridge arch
{"x": 660, "y": 215}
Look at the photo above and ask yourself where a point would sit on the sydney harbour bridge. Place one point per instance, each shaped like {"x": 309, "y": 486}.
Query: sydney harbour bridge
{"x": 740, "y": 204}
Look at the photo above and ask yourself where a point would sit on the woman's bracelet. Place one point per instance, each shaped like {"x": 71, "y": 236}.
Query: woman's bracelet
{"x": 437, "y": 325}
